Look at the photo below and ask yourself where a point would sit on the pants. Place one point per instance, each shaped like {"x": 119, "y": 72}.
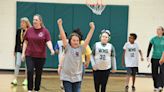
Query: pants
{"x": 162, "y": 74}
{"x": 18, "y": 63}
{"x": 71, "y": 87}
{"x": 156, "y": 73}
{"x": 100, "y": 79}
{"x": 38, "y": 64}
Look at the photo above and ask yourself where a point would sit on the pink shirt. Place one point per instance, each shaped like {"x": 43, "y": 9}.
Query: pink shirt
{"x": 37, "y": 39}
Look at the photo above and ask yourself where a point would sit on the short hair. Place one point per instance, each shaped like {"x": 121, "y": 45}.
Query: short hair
{"x": 133, "y": 35}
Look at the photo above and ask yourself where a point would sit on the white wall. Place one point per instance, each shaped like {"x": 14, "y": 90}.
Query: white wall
{"x": 144, "y": 17}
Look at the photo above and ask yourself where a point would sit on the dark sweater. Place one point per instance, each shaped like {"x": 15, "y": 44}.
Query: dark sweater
{"x": 18, "y": 42}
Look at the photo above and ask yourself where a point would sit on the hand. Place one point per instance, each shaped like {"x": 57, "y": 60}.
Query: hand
{"x": 59, "y": 69}
{"x": 113, "y": 71}
{"x": 142, "y": 59}
{"x": 92, "y": 25}
{"x": 59, "y": 21}
{"x": 86, "y": 65}
{"x": 160, "y": 62}
{"x": 94, "y": 67}
{"x": 52, "y": 52}
{"x": 148, "y": 59}
{"x": 23, "y": 57}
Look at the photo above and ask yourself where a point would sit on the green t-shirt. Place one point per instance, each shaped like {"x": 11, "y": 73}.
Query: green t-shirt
{"x": 158, "y": 46}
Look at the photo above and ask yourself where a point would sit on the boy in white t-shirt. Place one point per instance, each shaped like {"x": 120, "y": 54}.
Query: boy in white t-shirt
{"x": 130, "y": 59}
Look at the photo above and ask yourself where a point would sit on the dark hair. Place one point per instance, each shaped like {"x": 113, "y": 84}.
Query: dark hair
{"x": 74, "y": 34}
{"x": 162, "y": 29}
{"x": 78, "y": 31}
{"x": 66, "y": 34}
{"x": 133, "y": 35}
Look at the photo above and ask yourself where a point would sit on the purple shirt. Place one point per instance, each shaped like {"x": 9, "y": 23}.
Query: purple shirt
{"x": 37, "y": 39}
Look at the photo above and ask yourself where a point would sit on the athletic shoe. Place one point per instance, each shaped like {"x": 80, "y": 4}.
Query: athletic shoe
{"x": 29, "y": 91}
{"x": 160, "y": 89}
{"x": 155, "y": 89}
{"x": 133, "y": 88}
{"x": 24, "y": 82}
{"x": 14, "y": 82}
{"x": 126, "y": 88}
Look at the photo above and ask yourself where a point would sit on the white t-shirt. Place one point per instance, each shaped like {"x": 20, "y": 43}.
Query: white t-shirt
{"x": 131, "y": 54}
{"x": 61, "y": 49}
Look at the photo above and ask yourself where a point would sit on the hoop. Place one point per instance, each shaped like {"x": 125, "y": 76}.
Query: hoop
{"x": 96, "y": 6}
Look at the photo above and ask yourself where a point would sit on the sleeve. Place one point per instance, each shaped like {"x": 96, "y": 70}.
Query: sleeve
{"x": 56, "y": 46}
{"x": 67, "y": 47}
{"x": 26, "y": 35}
{"x": 149, "y": 49}
{"x": 125, "y": 46}
{"x": 88, "y": 50}
{"x": 152, "y": 41}
{"x": 16, "y": 41}
{"x": 113, "y": 57}
{"x": 48, "y": 37}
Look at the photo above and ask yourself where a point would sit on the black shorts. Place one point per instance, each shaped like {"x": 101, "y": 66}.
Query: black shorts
{"x": 132, "y": 71}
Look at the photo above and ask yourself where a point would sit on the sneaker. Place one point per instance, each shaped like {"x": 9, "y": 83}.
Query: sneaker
{"x": 126, "y": 88}
{"x": 133, "y": 88}
{"x": 24, "y": 82}
{"x": 14, "y": 82}
{"x": 160, "y": 89}
{"x": 29, "y": 91}
{"x": 155, "y": 89}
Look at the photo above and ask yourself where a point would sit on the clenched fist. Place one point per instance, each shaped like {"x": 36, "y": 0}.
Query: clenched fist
{"x": 92, "y": 25}
{"x": 59, "y": 21}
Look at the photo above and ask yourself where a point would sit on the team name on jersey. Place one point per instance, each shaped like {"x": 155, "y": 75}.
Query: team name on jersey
{"x": 103, "y": 50}
{"x": 131, "y": 49}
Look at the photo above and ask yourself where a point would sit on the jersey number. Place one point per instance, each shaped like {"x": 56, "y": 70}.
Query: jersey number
{"x": 102, "y": 57}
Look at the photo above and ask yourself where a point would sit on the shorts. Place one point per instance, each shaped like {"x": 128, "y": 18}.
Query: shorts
{"x": 132, "y": 71}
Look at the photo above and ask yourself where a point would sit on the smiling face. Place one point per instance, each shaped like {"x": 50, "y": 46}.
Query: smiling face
{"x": 23, "y": 25}
{"x": 104, "y": 38}
{"x": 160, "y": 31}
{"x": 36, "y": 22}
{"x": 74, "y": 41}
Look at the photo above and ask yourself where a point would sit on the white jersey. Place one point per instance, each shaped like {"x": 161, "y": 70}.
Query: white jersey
{"x": 131, "y": 54}
{"x": 102, "y": 57}
{"x": 61, "y": 49}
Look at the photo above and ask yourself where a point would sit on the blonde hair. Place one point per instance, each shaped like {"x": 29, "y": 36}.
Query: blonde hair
{"x": 40, "y": 18}
{"x": 26, "y": 20}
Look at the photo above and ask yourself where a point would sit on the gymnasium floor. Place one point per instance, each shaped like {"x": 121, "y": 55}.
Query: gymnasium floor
{"x": 50, "y": 83}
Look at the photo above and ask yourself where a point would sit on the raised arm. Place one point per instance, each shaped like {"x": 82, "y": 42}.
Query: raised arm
{"x": 62, "y": 33}
{"x": 89, "y": 36}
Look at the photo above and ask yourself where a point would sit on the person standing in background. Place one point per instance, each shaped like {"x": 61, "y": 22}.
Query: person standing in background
{"x": 24, "y": 25}
{"x": 157, "y": 43}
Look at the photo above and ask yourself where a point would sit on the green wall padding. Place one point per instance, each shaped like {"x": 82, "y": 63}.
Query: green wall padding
{"x": 114, "y": 18}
